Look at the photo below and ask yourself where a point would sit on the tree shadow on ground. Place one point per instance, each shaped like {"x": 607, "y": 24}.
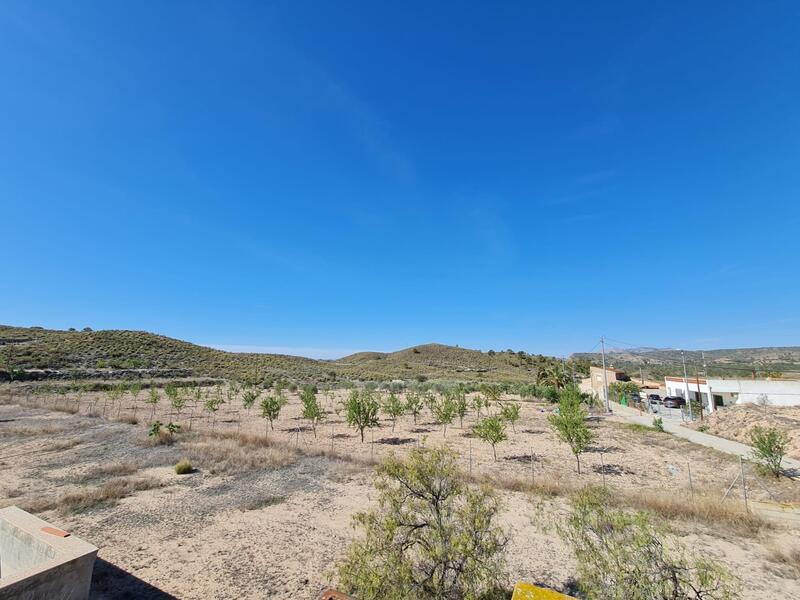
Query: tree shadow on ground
{"x": 110, "y": 581}
{"x": 523, "y": 458}
{"x": 604, "y": 449}
{"x": 612, "y": 470}
{"x": 395, "y": 441}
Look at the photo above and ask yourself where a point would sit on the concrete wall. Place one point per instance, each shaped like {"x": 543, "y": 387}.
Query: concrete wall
{"x": 37, "y": 562}
{"x": 738, "y": 391}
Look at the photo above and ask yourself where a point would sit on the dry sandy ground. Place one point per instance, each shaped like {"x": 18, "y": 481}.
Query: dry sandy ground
{"x": 735, "y": 423}
{"x": 257, "y": 522}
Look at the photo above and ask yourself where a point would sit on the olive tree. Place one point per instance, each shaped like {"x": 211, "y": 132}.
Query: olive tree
{"x": 432, "y": 536}
{"x": 361, "y": 410}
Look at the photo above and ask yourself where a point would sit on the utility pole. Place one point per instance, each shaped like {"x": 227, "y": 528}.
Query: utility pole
{"x": 605, "y": 376}
{"x": 686, "y": 385}
{"x": 641, "y": 374}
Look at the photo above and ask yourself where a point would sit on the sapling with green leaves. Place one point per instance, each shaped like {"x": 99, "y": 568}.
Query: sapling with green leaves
{"x": 491, "y": 430}
{"x": 249, "y": 398}
{"x": 312, "y": 409}
{"x": 176, "y": 398}
{"x": 134, "y": 390}
{"x": 393, "y": 407}
{"x": 271, "y": 407}
{"x": 444, "y": 411}
{"x": 152, "y": 399}
{"x": 479, "y": 403}
{"x": 414, "y": 404}
{"x": 361, "y": 410}
{"x": 509, "y": 412}
{"x": 569, "y": 423}
{"x": 211, "y": 406}
{"x": 459, "y": 398}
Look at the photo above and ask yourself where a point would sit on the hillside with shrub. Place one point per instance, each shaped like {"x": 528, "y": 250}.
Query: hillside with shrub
{"x": 33, "y": 351}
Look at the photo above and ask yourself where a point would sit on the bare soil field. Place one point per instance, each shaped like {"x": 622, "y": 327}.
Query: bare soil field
{"x": 735, "y": 423}
{"x": 267, "y": 515}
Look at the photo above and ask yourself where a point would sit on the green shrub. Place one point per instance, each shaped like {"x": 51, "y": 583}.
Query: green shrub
{"x": 623, "y": 556}
{"x": 432, "y": 536}
{"x": 658, "y": 424}
{"x": 769, "y": 448}
{"x": 183, "y": 467}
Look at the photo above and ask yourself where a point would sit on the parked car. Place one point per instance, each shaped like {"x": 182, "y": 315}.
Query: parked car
{"x": 654, "y": 398}
{"x": 674, "y": 402}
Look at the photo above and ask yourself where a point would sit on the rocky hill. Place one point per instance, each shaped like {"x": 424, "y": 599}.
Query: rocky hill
{"x": 37, "y": 352}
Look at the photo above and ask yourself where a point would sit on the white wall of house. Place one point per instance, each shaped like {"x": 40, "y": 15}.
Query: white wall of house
{"x": 737, "y": 391}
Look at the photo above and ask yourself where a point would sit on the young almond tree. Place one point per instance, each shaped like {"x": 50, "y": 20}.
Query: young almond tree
{"x": 569, "y": 423}
{"x": 176, "y": 398}
{"x": 509, "y": 412}
{"x": 491, "y": 430}
{"x": 393, "y": 407}
{"x": 361, "y": 410}
{"x": 459, "y": 398}
{"x": 444, "y": 411}
{"x": 249, "y": 398}
{"x": 152, "y": 399}
{"x": 480, "y": 402}
{"x": 312, "y": 409}
{"x": 134, "y": 390}
{"x": 414, "y": 404}
{"x": 271, "y": 408}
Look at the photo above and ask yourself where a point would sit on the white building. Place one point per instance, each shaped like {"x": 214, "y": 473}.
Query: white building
{"x": 726, "y": 392}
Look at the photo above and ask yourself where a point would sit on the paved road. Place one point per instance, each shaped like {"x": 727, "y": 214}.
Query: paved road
{"x": 672, "y": 424}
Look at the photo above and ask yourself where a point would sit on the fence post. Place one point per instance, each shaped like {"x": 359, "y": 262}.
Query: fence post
{"x": 603, "y": 468}
{"x": 691, "y": 486}
{"x": 744, "y": 485}
{"x": 533, "y": 475}
{"x": 470, "y": 457}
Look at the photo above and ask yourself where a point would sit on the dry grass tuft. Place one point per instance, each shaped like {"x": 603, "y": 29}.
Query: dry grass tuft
{"x": 224, "y": 454}
{"x": 32, "y": 430}
{"x": 708, "y": 509}
{"x": 789, "y": 557}
{"x": 107, "y": 494}
{"x": 102, "y": 471}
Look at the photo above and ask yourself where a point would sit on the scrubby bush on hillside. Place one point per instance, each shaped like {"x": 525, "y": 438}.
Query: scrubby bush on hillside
{"x": 431, "y": 536}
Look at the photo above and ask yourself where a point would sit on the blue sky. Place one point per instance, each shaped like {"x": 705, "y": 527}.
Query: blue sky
{"x": 326, "y": 177}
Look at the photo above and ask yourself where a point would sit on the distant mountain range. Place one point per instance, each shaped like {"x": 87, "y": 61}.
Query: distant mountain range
{"x": 655, "y": 363}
